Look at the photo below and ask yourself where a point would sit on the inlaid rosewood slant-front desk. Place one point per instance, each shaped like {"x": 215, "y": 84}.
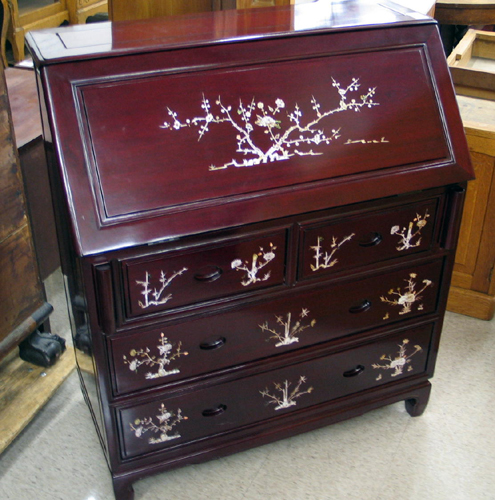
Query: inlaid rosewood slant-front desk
{"x": 257, "y": 213}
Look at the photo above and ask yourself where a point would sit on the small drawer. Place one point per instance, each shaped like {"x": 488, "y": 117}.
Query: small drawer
{"x": 333, "y": 246}
{"x": 162, "y": 355}
{"x": 194, "y": 275}
{"x": 171, "y": 421}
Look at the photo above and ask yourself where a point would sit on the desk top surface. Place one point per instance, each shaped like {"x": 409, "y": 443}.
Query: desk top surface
{"x": 119, "y": 38}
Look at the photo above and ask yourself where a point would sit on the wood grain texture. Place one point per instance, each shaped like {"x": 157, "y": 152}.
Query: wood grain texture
{"x": 471, "y": 303}
{"x": 475, "y": 257}
{"x": 21, "y": 293}
{"x": 120, "y": 10}
{"x": 24, "y": 102}
{"x": 25, "y": 389}
{"x": 465, "y": 12}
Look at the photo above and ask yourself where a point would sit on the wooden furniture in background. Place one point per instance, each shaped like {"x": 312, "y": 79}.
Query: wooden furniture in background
{"x": 120, "y": 10}
{"x": 250, "y": 4}
{"x": 22, "y": 302}
{"x": 27, "y": 15}
{"x": 24, "y": 104}
{"x": 423, "y": 6}
{"x": 465, "y": 12}
{"x": 80, "y": 10}
{"x": 472, "y": 64}
{"x": 4, "y": 24}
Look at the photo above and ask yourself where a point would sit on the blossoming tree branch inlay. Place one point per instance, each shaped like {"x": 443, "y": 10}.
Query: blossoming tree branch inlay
{"x": 143, "y": 357}
{"x": 289, "y": 134}
{"x": 289, "y": 332}
{"x": 258, "y": 262}
{"x": 167, "y": 420}
{"x": 409, "y": 234}
{"x": 282, "y": 397}
{"x": 157, "y": 297}
{"x": 400, "y": 361}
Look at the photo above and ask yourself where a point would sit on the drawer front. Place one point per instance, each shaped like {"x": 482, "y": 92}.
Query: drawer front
{"x": 329, "y": 247}
{"x": 166, "y": 281}
{"x": 160, "y": 356}
{"x": 203, "y": 413}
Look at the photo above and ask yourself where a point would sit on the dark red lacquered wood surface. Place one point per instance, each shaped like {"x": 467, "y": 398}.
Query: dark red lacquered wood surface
{"x": 270, "y": 328}
{"x": 181, "y": 143}
{"x": 226, "y": 406}
{"x": 154, "y": 175}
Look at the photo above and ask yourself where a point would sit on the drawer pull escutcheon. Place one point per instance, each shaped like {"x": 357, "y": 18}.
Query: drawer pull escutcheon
{"x": 371, "y": 240}
{"x": 213, "y": 412}
{"x": 209, "y": 345}
{"x": 354, "y": 372}
{"x": 211, "y": 273}
{"x": 364, "y": 306}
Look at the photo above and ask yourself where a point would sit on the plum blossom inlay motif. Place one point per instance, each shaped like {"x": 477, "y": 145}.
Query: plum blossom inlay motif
{"x": 155, "y": 297}
{"x": 166, "y": 356}
{"x": 413, "y": 231}
{"x": 167, "y": 420}
{"x": 258, "y": 262}
{"x": 288, "y": 134}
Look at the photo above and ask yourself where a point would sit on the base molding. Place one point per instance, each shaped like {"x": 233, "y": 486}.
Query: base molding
{"x": 471, "y": 303}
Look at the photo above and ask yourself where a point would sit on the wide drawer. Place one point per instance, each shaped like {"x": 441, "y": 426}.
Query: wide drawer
{"x": 206, "y": 344}
{"x": 193, "y": 275}
{"x": 330, "y": 246}
{"x": 172, "y": 421}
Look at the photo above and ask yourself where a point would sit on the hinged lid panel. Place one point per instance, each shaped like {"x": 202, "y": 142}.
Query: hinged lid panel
{"x": 195, "y": 138}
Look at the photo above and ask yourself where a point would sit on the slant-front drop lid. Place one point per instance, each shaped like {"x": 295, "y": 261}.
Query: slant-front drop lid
{"x": 170, "y": 126}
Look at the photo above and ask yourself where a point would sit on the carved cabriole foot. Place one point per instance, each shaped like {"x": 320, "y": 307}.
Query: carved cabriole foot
{"x": 122, "y": 488}
{"x": 416, "y": 405}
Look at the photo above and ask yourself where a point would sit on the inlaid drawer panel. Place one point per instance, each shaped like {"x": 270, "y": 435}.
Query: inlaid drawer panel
{"x": 209, "y": 411}
{"x": 332, "y": 246}
{"x": 163, "y": 355}
{"x": 167, "y": 281}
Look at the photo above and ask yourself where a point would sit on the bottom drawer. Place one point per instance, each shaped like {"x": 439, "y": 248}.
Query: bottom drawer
{"x": 172, "y": 421}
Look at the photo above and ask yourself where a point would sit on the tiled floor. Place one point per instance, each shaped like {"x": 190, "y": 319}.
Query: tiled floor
{"x": 446, "y": 454}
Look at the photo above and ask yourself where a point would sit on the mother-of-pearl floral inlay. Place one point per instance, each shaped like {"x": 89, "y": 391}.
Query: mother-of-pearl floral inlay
{"x": 399, "y": 362}
{"x": 408, "y": 296}
{"x": 167, "y": 354}
{"x": 288, "y": 132}
{"x": 283, "y": 397}
{"x": 166, "y": 421}
{"x": 324, "y": 258}
{"x": 258, "y": 262}
{"x": 156, "y": 297}
{"x": 287, "y": 328}
{"x": 410, "y": 236}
